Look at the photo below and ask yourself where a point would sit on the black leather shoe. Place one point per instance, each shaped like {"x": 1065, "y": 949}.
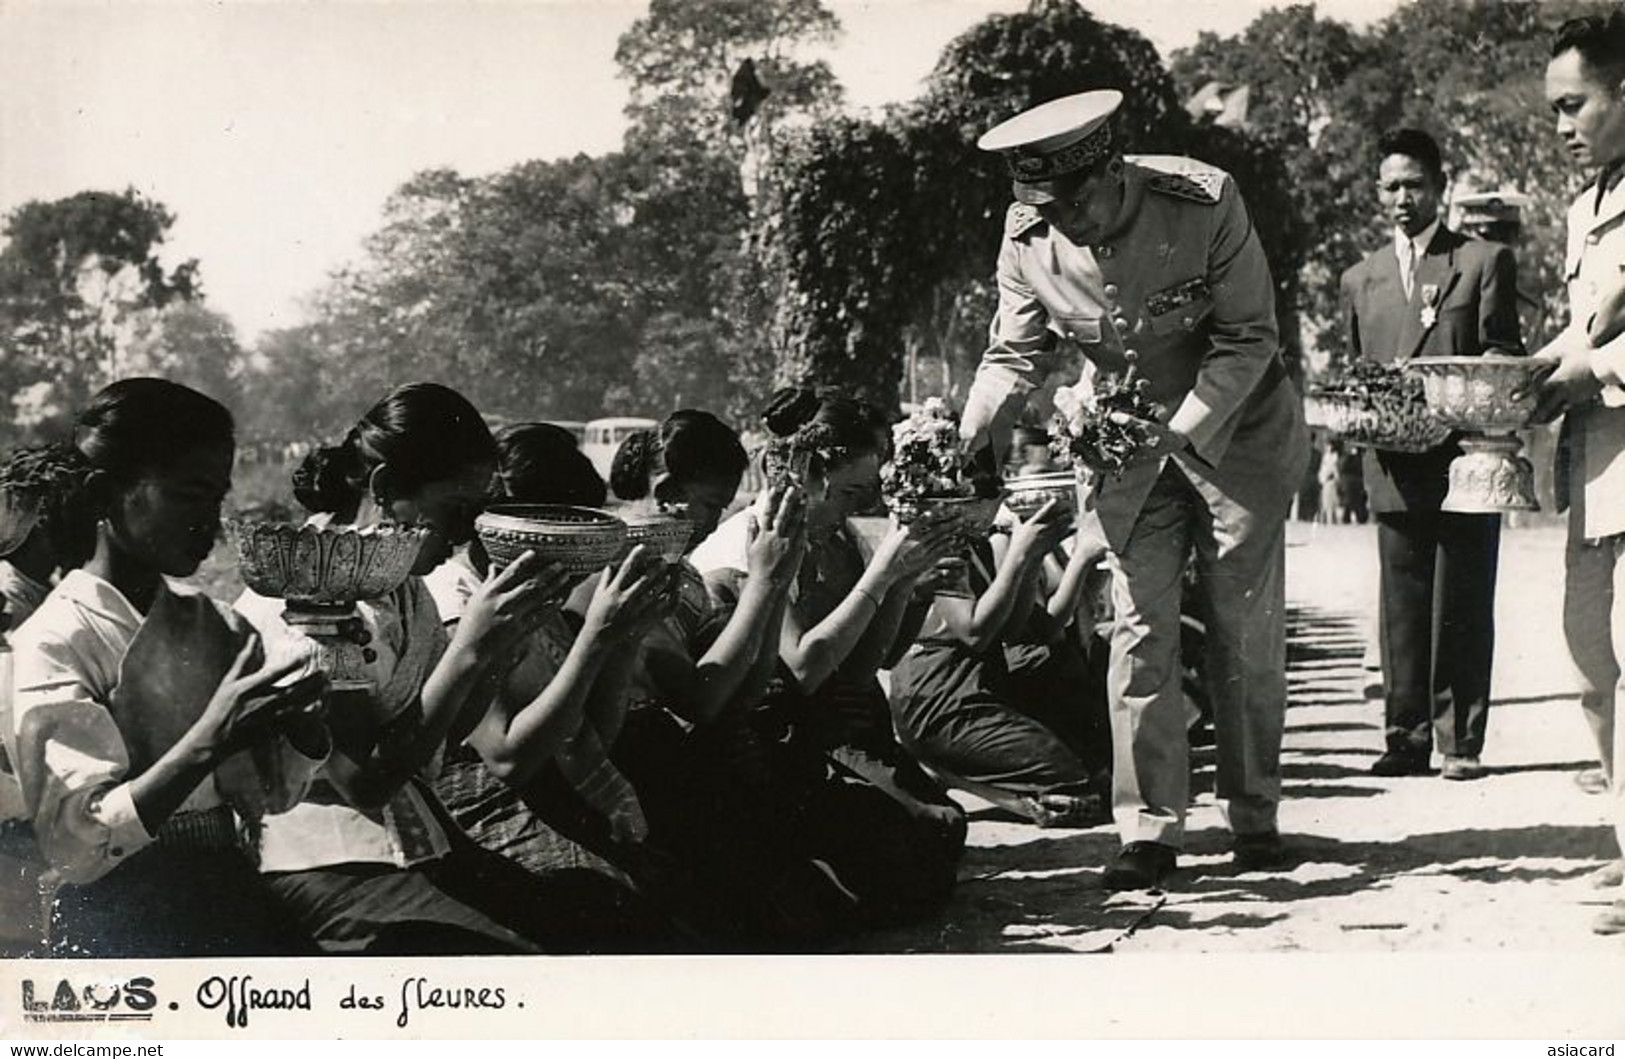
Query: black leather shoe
{"x": 1141, "y": 866}
{"x": 1261, "y": 851}
{"x": 1396, "y": 763}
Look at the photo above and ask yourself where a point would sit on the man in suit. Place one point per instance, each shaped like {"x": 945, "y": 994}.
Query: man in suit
{"x": 1430, "y": 292}
{"x": 1153, "y": 261}
{"x": 1585, "y": 85}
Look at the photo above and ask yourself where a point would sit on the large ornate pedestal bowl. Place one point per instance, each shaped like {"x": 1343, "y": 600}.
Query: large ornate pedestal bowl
{"x": 321, "y": 574}
{"x": 1476, "y": 396}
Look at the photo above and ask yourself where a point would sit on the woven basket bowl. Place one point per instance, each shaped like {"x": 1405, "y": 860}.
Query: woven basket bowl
{"x": 666, "y": 534}
{"x": 583, "y": 540}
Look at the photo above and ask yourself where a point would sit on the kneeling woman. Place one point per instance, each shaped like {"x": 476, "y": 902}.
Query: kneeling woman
{"x": 370, "y": 861}
{"x": 135, "y": 702}
{"x": 997, "y": 699}
{"x": 833, "y": 770}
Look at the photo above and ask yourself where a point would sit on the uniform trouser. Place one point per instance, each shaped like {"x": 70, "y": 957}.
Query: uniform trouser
{"x": 1240, "y": 562}
{"x": 1594, "y": 625}
{"x": 1438, "y": 628}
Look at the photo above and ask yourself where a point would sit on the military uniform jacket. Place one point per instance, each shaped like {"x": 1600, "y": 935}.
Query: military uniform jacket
{"x": 1181, "y": 281}
{"x": 1464, "y": 302}
{"x": 1591, "y": 461}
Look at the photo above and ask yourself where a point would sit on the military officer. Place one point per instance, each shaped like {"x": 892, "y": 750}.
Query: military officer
{"x": 1154, "y": 260}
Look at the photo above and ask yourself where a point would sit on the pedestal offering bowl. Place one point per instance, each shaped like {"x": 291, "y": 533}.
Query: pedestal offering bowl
{"x": 321, "y": 573}
{"x": 1488, "y": 399}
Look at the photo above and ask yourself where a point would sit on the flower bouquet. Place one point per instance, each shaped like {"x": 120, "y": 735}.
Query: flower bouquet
{"x": 928, "y": 472}
{"x": 1084, "y": 430}
{"x": 1380, "y": 405}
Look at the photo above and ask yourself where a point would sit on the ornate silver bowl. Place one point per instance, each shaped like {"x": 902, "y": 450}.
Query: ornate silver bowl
{"x": 324, "y": 566}
{"x": 1026, "y": 493}
{"x": 1488, "y": 399}
{"x": 321, "y": 573}
{"x": 583, "y": 540}
{"x": 976, "y": 517}
{"x": 665, "y": 533}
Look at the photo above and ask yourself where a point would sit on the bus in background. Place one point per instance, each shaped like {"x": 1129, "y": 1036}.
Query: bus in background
{"x": 601, "y": 437}
{"x": 574, "y": 426}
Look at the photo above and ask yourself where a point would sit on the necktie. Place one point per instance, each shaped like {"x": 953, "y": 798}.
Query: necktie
{"x": 1407, "y": 267}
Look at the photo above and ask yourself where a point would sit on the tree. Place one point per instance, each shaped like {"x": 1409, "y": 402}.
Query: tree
{"x": 1316, "y": 89}
{"x": 293, "y": 392}
{"x": 191, "y": 344}
{"x": 683, "y": 56}
{"x": 77, "y": 276}
{"x": 1468, "y": 71}
{"x": 843, "y": 257}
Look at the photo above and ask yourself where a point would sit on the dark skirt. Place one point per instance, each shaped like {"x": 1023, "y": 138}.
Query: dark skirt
{"x": 827, "y": 774}
{"x": 1029, "y": 721}
{"x": 471, "y": 901}
{"x": 724, "y": 850}
{"x": 496, "y": 817}
{"x": 162, "y": 902}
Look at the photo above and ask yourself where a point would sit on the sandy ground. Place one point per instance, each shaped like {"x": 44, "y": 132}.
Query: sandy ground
{"x": 1415, "y": 864}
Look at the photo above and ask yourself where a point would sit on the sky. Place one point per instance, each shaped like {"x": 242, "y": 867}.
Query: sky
{"x": 275, "y": 130}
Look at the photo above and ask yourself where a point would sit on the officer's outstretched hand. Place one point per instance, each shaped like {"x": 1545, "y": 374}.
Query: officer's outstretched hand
{"x": 1569, "y": 383}
{"x": 1156, "y": 440}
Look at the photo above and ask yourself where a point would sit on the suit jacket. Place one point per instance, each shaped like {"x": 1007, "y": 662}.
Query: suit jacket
{"x": 1472, "y": 287}
{"x": 1591, "y": 460}
{"x": 1181, "y": 282}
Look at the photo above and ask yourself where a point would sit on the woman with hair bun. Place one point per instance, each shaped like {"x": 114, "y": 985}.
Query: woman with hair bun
{"x": 534, "y": 773}
{"x": 147, "y": 718}
{"x": 829, "y": 768}
{"x": 370, "y": 862}
{"x": 746, "y": 874}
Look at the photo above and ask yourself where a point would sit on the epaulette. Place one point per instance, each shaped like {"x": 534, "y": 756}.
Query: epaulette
{"x": 1183, "y": 178}
{"x": 1020, "y": 219}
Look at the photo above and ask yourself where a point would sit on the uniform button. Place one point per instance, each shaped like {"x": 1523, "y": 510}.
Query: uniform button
{"x": 1103, "y": 251}
{"x": 1120, "y": 323}
{"x": 1187, "y": 321}
{"x": 1592, "y": 239}
{"x": 1131, "y": 355}
{"x": 117, "y": 851}
{"x": 1111, "y": 290}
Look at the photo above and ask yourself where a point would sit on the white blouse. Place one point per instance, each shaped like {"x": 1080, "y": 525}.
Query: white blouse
{"x": 72, "y": 742}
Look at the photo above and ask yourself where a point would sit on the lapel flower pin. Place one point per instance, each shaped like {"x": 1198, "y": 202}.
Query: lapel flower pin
{"x": 1430, "y": 305}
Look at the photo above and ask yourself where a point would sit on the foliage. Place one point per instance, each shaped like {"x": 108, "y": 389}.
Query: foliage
{"x": 681, "y": 57}
{"x": 78, "y": 277}
{"x": 843, "y": 257}
{"x": 1321, "y": 94}
{"x": 194, "y": 345}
